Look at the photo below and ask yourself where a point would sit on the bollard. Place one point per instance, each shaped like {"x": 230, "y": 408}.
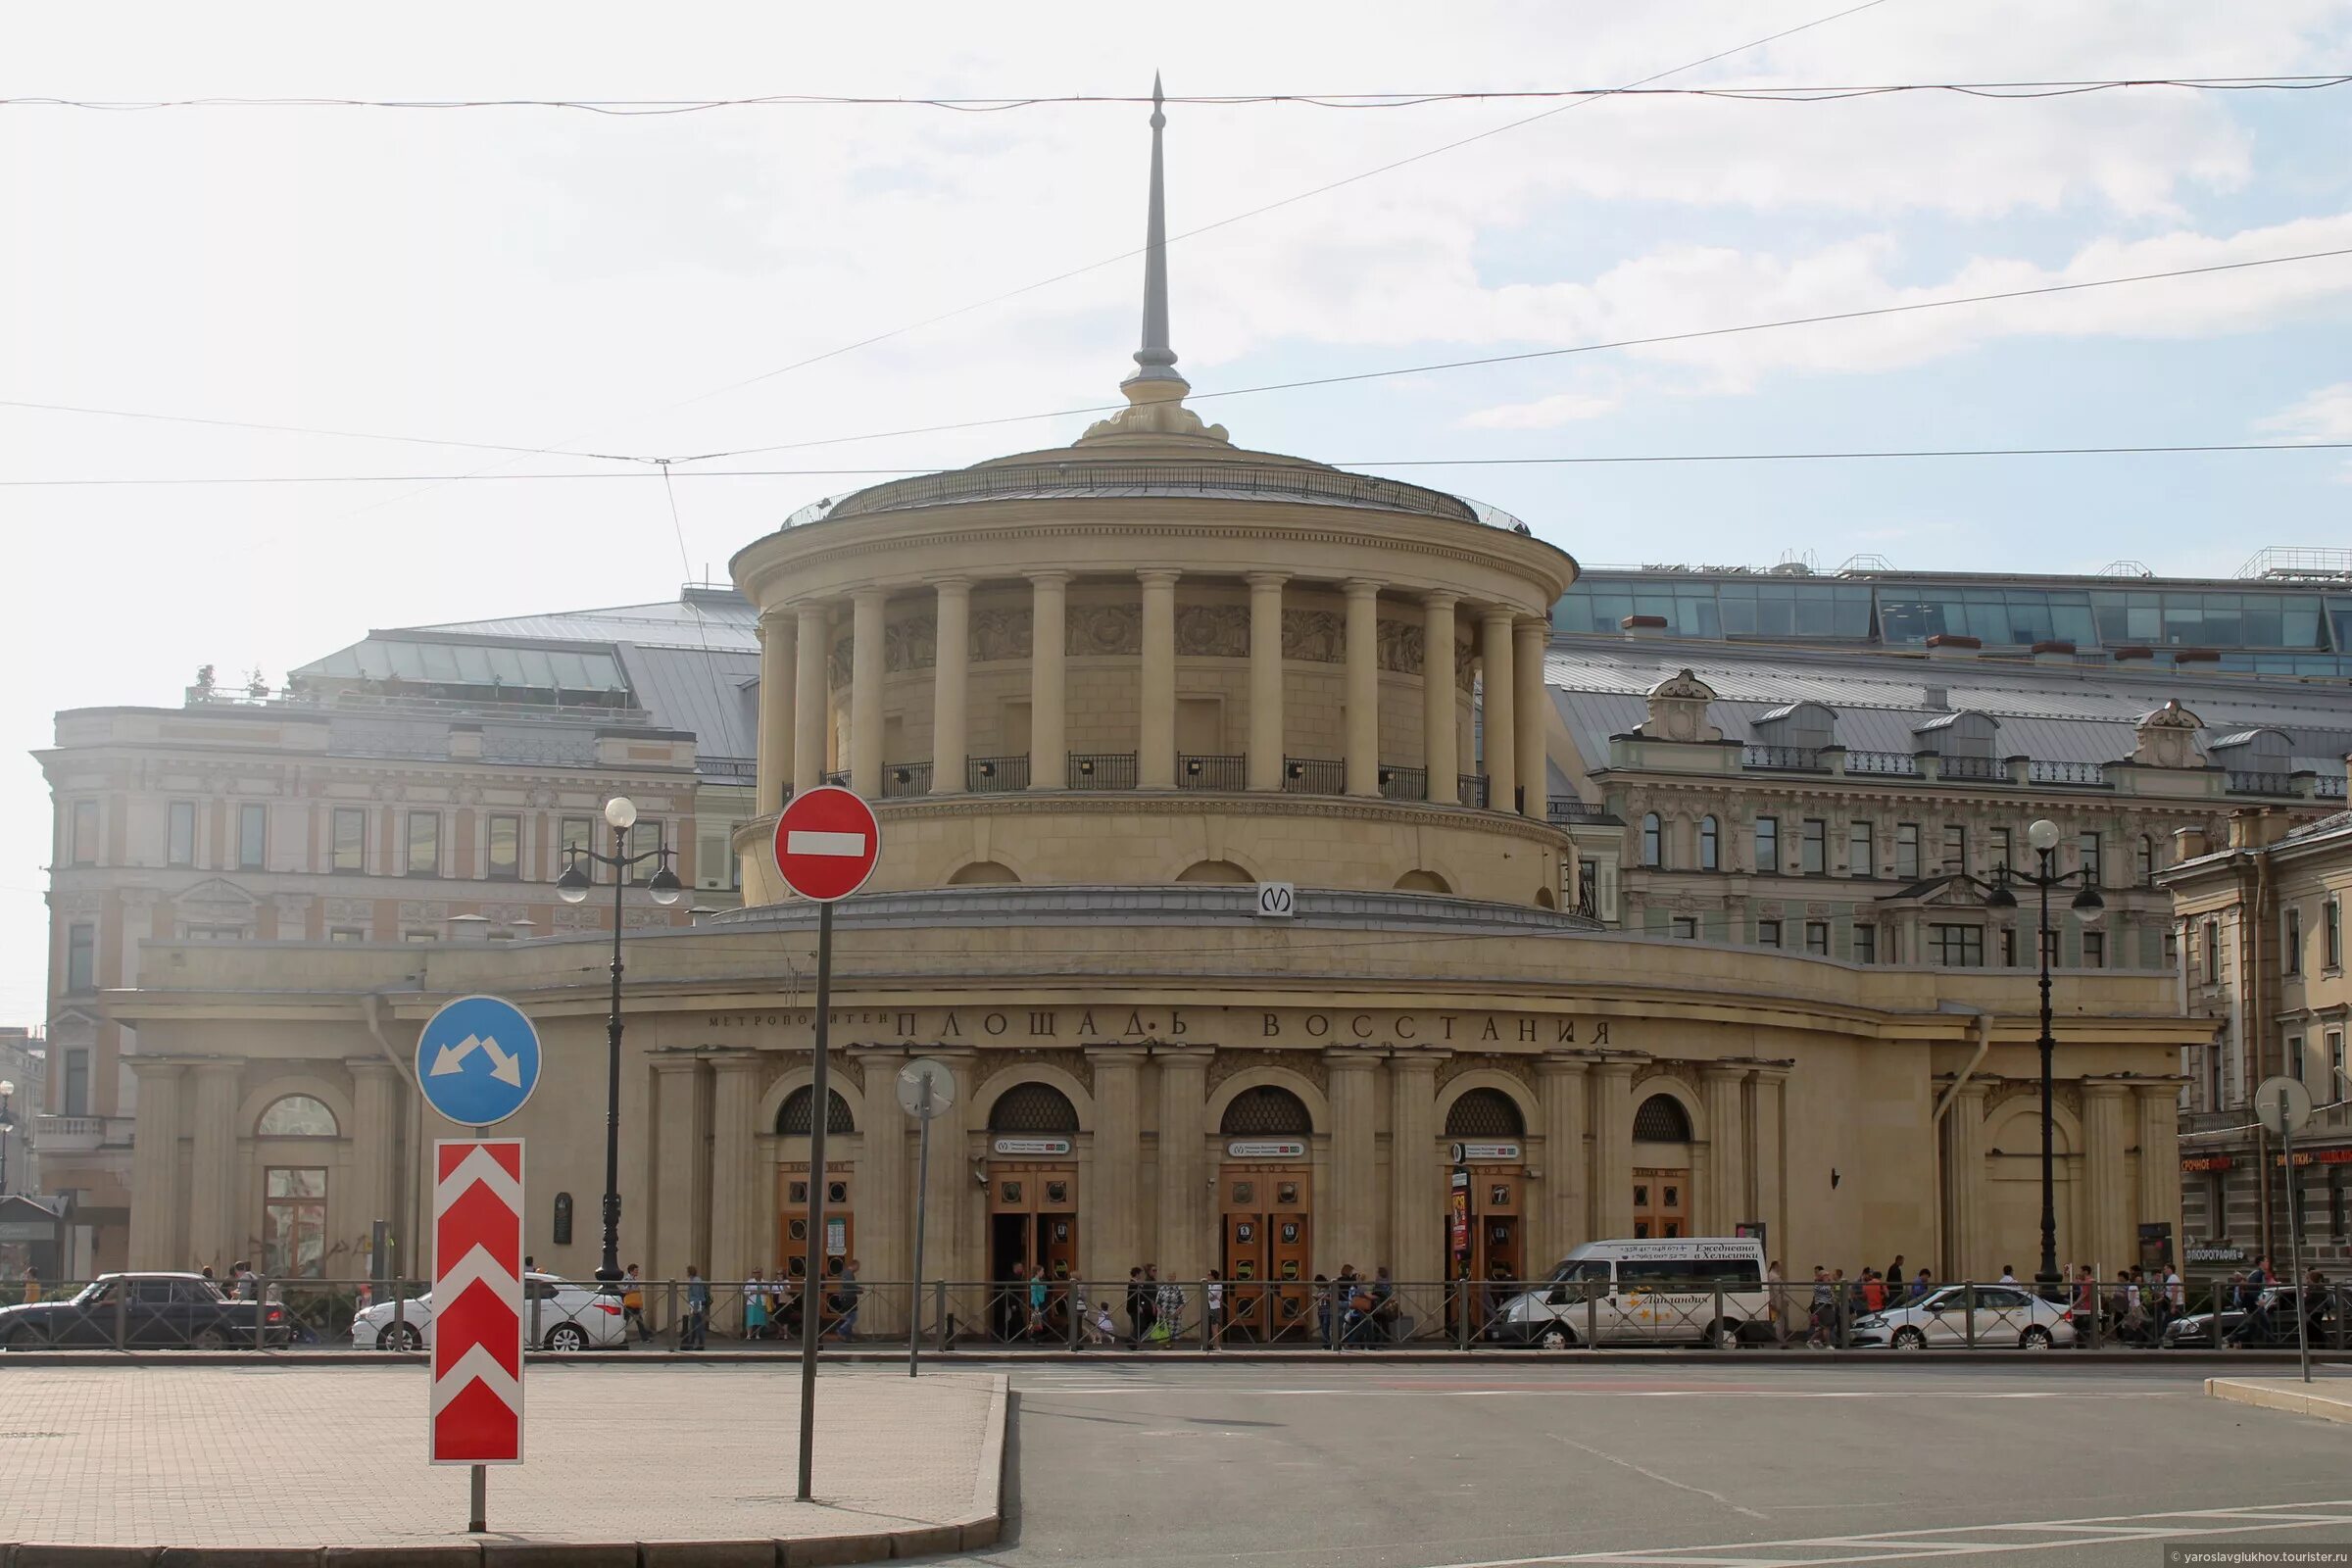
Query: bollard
{"x": 1715, "y": 1336}
{"x": 121, "y": 1294}
{"x": 676, "y": 1325}
{"x": 1461, "y": 1315}
{"x": 534, "y": 1344}
{"x": 399, "y": 1312}
{"x": 1968, "y": 1306}
{"x": 261, "y": 1313}
{"x": 939, "y": 1313}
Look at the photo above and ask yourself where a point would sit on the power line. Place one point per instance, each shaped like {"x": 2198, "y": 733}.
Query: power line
{"x": 666, "y": 471}
{"x": 290, "y": 429}
{"x": 1002, "y": 103}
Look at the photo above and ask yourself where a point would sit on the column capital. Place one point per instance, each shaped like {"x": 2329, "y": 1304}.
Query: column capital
{"x": 1159, "y": 576}
{"x": 1350, "y": 1058}
{"x": 1439, "y": 599}
{"x": 1264, "y": 580}
{"x": 820, "y": 610}
{"x": 777, "y": 612}
{"x": 218, "y": 1066}
{"x": 1614, "y": 1067}
{"x": 361, "y": 1068}
{"x": 1722, "y": 1071}
{"x": 1360, "y": 587}
{"x": 1495, "y": 615}
{"x": 1048, "y": 579}
{"x": 952, "y": 585}
{"x": 675, "y": 1061}
{"x": 2103, "y": 1088}
{"x": 731, "y": 1059}
{"x": 1407, "y": 1059}
{"x": 1564, "y": 1064}
{"x": 1116, "y": 1056}
{"x": 1181, "y": 1055}
{"x": 870, "y": 594}
{"x": 144, "y": 1069}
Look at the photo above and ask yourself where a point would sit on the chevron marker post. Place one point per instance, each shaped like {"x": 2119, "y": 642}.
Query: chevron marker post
{"x": 477, "y": 1302}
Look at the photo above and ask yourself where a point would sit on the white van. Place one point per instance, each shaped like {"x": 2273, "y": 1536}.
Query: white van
{"x": 1644, "y": 1293}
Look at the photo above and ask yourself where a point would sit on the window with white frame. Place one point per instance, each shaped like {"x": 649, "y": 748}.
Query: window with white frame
{"x": 179, "y": 833}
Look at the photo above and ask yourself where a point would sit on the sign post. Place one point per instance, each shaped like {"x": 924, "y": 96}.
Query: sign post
{"x": 2283, "y": 1105}
{"x": 478, "y": 1062}
{"x": 925, "y": 1089}
{"x": 826, "y": 843}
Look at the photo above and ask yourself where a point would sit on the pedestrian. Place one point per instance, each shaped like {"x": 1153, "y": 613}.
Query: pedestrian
{"x": 2085, "y": 1306}
{"x": 1822, "y": 1309}
{"x": 1037, "y": 1303}
{"x": 1322, "y": 1285}
{"x": 1099, "y": 1327}
{"x": 1776, "y": 1309}
{"x": 1385, "y": 1305}
{"x": 1213, "y": 1304}
{"x": 1138, "y": 1307}
{"x": 2008, "y": 1275}
{"x": 633, "y": 1305}
{"x": 698, "y": 1310}
{"x": 32, "y": 1285}
{"x": 248, "y": 1283}
{"x": 530, "y": 1264}
{"x": 1923, "y": 1287}
{"x": 1349, "y": 1302}
{"x": 1168, "y": 1311}
{"x": 1895, "y": 1278}
{"x": 2175, "y": 1292}
{"x": 846, "y": 1295}
{"x": 754, "y": 1307}
{"x": 1874, "y": 1292}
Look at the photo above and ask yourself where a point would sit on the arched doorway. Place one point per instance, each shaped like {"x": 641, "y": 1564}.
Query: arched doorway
{"x": 1032, "y": 1203}
{"x": 793, "y": 1121}
{"x": 1266, "y": 1193}
{"x": 1486, "y": 1136}
{"x": 1662, "y": 1168}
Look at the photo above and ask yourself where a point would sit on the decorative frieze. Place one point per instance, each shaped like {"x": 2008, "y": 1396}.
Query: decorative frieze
{"x": 1105, "y": 629}
{"x": 911, "y": 644}
{"x": 1001, "y": 634}
{"x": 1307, "y": 1064}
{"x": 1212, "y": 631}
{"x": 1314, "y": 636}
{"x": 989, "y": 1064}
{"x": 1401, "y": 647}
{"x": 1521, "y": 1067}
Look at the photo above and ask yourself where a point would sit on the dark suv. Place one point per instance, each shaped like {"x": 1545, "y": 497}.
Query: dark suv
{"x": 143, "y": 1313}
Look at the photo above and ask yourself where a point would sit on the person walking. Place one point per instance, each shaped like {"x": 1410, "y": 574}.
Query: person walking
{"x": 1138, "y": 1306}
{"x": 32, "y": 1285}
{"x": 2008, "y": 1275}
{"x": 1037, "y": 1303}
{"x": 1824, "y": 1308}
{"x": 698, "y": 1310}
{"x": 1874, "y": 1292}
{"x": 1922, "y": 1288}
{"x": 1168, "y": 1311}
{"x": 848, "y": 1296}
{"x": 1896, "y": 1280}
{"x": 1776, "y": 1309}
{"x": 1214, "y": 1306}
{"x": 633, "y": 1305}
{"x": 754, "y": 1307}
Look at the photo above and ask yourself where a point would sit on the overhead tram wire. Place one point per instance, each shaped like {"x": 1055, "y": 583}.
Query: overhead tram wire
{"x": 290, "y": 429}
{"x": 627, "y": 108}
{"x": 667, "y": 472}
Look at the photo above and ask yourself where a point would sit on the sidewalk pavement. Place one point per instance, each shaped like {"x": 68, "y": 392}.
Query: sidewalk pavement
{"x": 2329, "y": 1398}
{"x": 677, "y": 1466}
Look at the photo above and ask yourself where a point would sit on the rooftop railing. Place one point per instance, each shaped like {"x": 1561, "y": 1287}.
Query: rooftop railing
{"x": 1784, "y": 758}
{"x": 1900, "y": 764}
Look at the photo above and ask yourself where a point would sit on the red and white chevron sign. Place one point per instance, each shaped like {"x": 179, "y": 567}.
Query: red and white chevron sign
{"x": 477, "y": 1302}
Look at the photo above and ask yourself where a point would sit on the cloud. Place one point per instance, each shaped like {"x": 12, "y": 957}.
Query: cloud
{"x": 1564, "y": 408}
{"x": 2324, "y": 416}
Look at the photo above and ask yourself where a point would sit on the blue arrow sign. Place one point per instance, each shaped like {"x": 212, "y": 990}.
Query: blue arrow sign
{"x": 477, "y": 1061}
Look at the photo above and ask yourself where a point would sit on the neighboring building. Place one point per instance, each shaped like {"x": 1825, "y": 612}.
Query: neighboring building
{"x": 23, "y": 1063}
{"x": 2262, "y": 957}
{"x": 1095, "y": 694}
{"x": 418, "y": 786}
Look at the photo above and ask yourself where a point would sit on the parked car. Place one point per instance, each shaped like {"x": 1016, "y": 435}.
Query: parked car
{"x": 568, "y": 1316}
{"x": 144, "y": 1312}
{"x": 2008, "y": 1317}
{"x": 2273, "y": 1326}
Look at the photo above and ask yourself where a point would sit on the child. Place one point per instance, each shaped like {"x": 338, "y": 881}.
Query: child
{"x": 1099, "y": 1329}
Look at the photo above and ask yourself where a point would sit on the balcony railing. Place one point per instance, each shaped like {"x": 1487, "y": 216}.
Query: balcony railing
{"x": 1101, "y": 770}
{"x": 992, "y": 775}
{"x": 1785, "y": 759}
{"x": 1977, "y": 767}
{"x": 905, "y": 779}
{"x": 2329, "y": 786}
{"x": 1404, "y": 783}
{"x": 1897, "y": 765}
{"x": 1200, "y": 771}
{"x": 80, "y": 1135}
{"x": 840, "y": 778}
{"x": 1473, "y": 788}
{"x": 1313, "y": 775}
{"x": 2260, "y": 784}
{"x": 2091, "y": 774}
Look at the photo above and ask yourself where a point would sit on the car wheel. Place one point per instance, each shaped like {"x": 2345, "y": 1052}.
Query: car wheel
{"x": 1909, "y": 1338}
{"x": 400, "y": 1336}
{"x": 1724, "y": 1336}
{"x": 566, "y": 1337}
{"x": 2035, "y": 1337}
{"x": 208, "y": 1338}
{"x": 26, "y": 1339}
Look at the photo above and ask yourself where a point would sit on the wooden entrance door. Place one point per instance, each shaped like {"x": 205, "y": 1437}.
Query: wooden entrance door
{"x": 1269, "y": 1231}
{"x": 1033, "y": 1222}
{"x": 1661, "y": 1203}
{"x": 792, "y": 1224}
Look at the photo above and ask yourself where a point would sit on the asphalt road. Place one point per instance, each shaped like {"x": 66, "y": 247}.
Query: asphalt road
{"x": 1757, "y": 1462}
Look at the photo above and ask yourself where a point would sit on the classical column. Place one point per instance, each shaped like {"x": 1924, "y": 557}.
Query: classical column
{"x": 1771, "y": 1145}
{"x": 1567, "y": 1185}
{"x": 155, "y": 1197}
{"x": 2159, "y": 1107}
{"x": 1727, "y": 1151}
{"x": 1048, "y": 717}
{"x": 865, "y": 691}
{"x": 1352, "y": 1196}
{"x": 810, "y": 659}
{"x": 213, "y": 1233}
{"x": 1495, "y": 704}
{"x": 1611, "y": 1171}
{"x": 949, "y": 665}
{"x": 735, "y": 1172}
{"x": 1417, "y": 1174}
{"x": 376, "y": 1096}
{"x": 1111, "y": 1242}
{"x": 1964, "y": 1256}
{"x": 1528, "y": 638}
{"x": 2106, "y": 1239}
{"x": 1186, "y": 1246}
{"x": 1437, "y": 701}
{"x": 883, "y": 1195}
{"x": 953, "y": 1201}
{"x": 1265, "y": 680}
{"x": 1363, "y": 687}
{"x": 679, "y": 1127}
{"x": 1155, "y": 740}
{"x": 777, "y": 636}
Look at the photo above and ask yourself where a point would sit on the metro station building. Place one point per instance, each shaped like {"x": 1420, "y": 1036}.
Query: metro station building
{"x": 1102, "y": 697}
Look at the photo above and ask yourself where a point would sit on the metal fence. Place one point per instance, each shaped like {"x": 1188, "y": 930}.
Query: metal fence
{"x": 1101, "y": 770}
{"x": 989, "y": 775}
{"x": 1314, "y": 775}
{"x": 1199, "y": 772}
{"x": 905, "y": 779}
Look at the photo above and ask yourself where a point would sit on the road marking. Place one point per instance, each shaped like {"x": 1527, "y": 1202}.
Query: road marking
{"x": 1663, "y": 1481}
{"x": 1599, "y": 1392}
{"x": 809, "y": 841}
{"x": 1956, "y": 1540}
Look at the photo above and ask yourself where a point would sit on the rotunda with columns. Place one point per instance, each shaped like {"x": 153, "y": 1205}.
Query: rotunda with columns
{"x": 1219, "y": 868}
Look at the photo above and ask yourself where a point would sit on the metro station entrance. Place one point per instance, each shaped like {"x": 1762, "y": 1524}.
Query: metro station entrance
{"x": 1484, "y": 1231}
{"x": 834, "y": 1250}
{"x": 1031, "y": 1208}
{"x": 1265, "y": 1201}
{"x": 1661, "y": 1169}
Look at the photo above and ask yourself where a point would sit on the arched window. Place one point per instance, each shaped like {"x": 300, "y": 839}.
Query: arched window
{"x": 792, "y": 1117}
{"x": 1484, "y": 1113}
{"x": 1706, "y": 844}
{"x": 1222, "y": 872}
{"x": 1652, "y": 841}
{"x": 1661, "y": 1120}
{"x": 298, "y": 1116}
{"x": 983, "y": 873}
{"x": 1033, "y": 1108}
{"x": 1265, "y": 1111}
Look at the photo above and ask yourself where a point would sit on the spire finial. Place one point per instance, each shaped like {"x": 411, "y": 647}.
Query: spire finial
{"x": 1155, "y": 361}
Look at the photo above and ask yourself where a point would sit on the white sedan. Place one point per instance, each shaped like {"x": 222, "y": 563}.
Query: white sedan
{"x": 557, "y": 1315}
{"x": 2007, "y": 1317}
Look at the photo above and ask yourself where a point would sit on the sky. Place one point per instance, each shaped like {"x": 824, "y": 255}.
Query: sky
{"x": 797, "y": 277}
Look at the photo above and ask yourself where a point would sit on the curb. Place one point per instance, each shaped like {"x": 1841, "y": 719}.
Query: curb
{"x": 977, "y": 1356}
{"x": 976, "y": 1532}
{"x": 2297, "y": 1400}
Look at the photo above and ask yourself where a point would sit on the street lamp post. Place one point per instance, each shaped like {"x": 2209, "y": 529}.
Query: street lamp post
{"x": 620, "y": 814}
{"x": 2087, "y": 906}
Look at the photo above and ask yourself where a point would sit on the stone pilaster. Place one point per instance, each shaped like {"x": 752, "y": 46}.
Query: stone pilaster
{"x": 1186, "y": 1246}
{"x": 1362, "y": 769}
{"x": 1726, "y": 1201}
{"x": 1439, "y": 703}
{"x": 1417, "y": 1191}
{"x": 1351, "y": 1197}
{"x": 809, "y": 697}
{"x": 2159, "y": 1107}
{"x": 1964, "y": 1184}
{"x": 214, "y": 1234}
{"x": 1265, "y": 680}
{"x": 778, "y": 640}
{"x": 1771, "y": 1158}
{"x": 1112, "y": 1241}
{"x": 375, "y": 1098}
{"x": 883, "y": 1196}
{"x": 1566, "y": 1190}
{"x": 952, "y": 662}
{"x": 1612, "y": 1172}
{"x": 155, "y": 1195}
{"x": 735, "y": 1174}
{"x": 865, "y": 690}
{"x": 1049, "y": 702}
{"x": 1155, "y": 739}
{"x": 1497, "y": 702}
{"x": 2106, "y": 1241}
{"x": 1528, "y": 702}
{"x": 680, "y": 1124}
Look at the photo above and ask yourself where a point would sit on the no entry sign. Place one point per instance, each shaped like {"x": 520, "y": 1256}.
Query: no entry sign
{"x": 477, "y": 1302}
{"x": 826, "y": 843}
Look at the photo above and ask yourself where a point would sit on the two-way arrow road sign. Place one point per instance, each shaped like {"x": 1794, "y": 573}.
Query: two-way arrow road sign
{"x": 452, "y": 1059}
{"x": 477, "y": 1061}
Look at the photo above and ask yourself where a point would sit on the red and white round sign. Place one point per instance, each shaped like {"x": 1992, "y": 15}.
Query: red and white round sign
{"x": 826, "y": 843}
